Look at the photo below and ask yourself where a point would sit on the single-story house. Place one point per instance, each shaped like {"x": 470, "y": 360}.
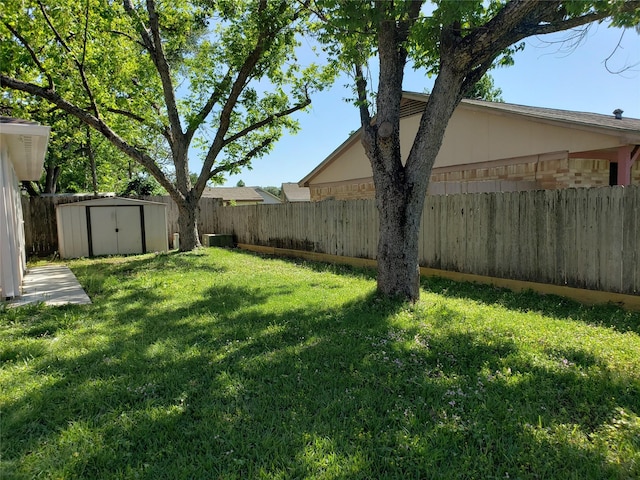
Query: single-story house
{"x": 239, "y": 195}
{"x": 292, "y": 192}
{"x": 491, "y": 146}
{"x": 23, "y": 146}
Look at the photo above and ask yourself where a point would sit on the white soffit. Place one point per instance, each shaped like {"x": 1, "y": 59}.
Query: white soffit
{"x": 26, "y": 145}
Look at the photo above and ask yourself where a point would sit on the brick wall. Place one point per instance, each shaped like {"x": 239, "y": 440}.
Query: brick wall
{"x": 548, "y": 174}
{"x": 350, "y": 190}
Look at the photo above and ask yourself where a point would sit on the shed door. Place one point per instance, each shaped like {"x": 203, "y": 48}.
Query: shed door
{"x": 116, "y": 230}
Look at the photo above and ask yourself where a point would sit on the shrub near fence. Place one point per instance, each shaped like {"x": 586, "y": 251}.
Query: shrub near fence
{"x": 588, "y": 238}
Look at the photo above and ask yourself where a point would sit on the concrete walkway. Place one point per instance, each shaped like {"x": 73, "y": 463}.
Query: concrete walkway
{"x": 51, "y": 284}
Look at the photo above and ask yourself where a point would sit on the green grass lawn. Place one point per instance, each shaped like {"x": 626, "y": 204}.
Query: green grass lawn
{"x": 222, "y": 364}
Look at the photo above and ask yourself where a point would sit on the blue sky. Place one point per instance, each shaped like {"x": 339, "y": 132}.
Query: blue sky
{"x": 545, "y": 75}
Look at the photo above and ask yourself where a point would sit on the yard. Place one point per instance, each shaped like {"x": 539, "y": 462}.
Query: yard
{"x": 222, "y": 364}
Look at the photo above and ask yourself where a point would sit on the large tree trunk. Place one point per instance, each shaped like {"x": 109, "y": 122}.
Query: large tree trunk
{"x": 401, "y": 189}
{"x": 398, "y": 270}
{"x": 188, "y": 214}
{"x": 398, "y": 198}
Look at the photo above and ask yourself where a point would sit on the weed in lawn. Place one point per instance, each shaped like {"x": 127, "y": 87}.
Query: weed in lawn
{"x": 227, "y": 365}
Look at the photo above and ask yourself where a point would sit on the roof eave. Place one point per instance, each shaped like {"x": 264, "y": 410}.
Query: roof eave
{"x": 27, "y": 147}
{"x": 332, "y": 156}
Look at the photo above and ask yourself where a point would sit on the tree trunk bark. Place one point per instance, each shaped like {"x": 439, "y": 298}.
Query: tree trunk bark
{"x": 398, "y": 270}
{"x": 92, "y": 162}
{"x": 401, "y": 189}
{"x": 188, "y": 215}
{"x": 51, "y": 179}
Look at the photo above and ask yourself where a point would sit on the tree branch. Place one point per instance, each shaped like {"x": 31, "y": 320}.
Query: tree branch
{"x": 97, "y": 124}
{"x": 475, "y": 75}
{"x": 361, "y": 89}
{"x": 79, "y": 65}
{"x": 562, "y": 25}
{"x": 86, "y": 31}
{"x": 317, "y": 11}
{"x": 32, "y": 53}
{"x": 129, "y": 37}
{"x": 152, "y": 42}
{"x": 606, "y": 60}
{"x": 242, "y": 162}
{"x": 244, "y": 74}
{"x": 520, "y": 19}
{"x": 163, "y": 69}
{"x": 54, "y": 30}
{"x": 266, "y": 121}
{"x": 147, "y": 42}
{"x": 204, "y": 112}
{"x": 162, "y": 131}
{"x": 413, "y": 13}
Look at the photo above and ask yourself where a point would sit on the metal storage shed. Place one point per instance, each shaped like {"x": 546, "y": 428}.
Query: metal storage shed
{"x": 111, "y": 226}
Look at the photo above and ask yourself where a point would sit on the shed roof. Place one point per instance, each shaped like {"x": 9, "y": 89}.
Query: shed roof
{"x": 111, "y": 201}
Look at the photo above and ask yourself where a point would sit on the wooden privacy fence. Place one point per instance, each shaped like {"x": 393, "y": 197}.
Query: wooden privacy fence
{"x": 587, "y": 238}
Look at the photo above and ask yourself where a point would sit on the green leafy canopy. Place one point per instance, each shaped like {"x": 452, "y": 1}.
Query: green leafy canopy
{"x": 231, "y": 72}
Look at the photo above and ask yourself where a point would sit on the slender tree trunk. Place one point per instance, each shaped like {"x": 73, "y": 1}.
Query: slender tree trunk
{"x": 92, "y": 162}
{"x": 188, "y": 214}
{"x": 51, "y": 179}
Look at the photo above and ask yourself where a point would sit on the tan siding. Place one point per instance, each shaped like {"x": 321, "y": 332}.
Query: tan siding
{"x": 534, "y": 173}
{"x": 475, "y": 136}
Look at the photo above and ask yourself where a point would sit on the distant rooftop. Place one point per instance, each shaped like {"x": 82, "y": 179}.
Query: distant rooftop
{"x": 238, "y": 194}
{"x": 414, "y": 103}
{"x": 294, "y": 193}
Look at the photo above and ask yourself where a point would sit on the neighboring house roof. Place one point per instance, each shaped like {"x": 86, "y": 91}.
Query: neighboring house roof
{"x": 268, "y": 198}
{"x": 414, "y": 103}
{"x": 292, "y": 192}
{"x": 26, "y": 143}
{"x": 594, "y": 120}
{"x": 237, "y": 194}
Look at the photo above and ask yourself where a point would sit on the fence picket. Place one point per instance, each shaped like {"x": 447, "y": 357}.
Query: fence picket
{"x": 586, "y": 238}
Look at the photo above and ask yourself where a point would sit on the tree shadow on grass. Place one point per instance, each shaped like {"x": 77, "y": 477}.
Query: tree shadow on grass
{"x": 218, "y": 388}
{"x": 321, "y": 267}
{"x": 98, "y": 274}
{"x": 607, "y": 315}
{"x": 611, "y": 316}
